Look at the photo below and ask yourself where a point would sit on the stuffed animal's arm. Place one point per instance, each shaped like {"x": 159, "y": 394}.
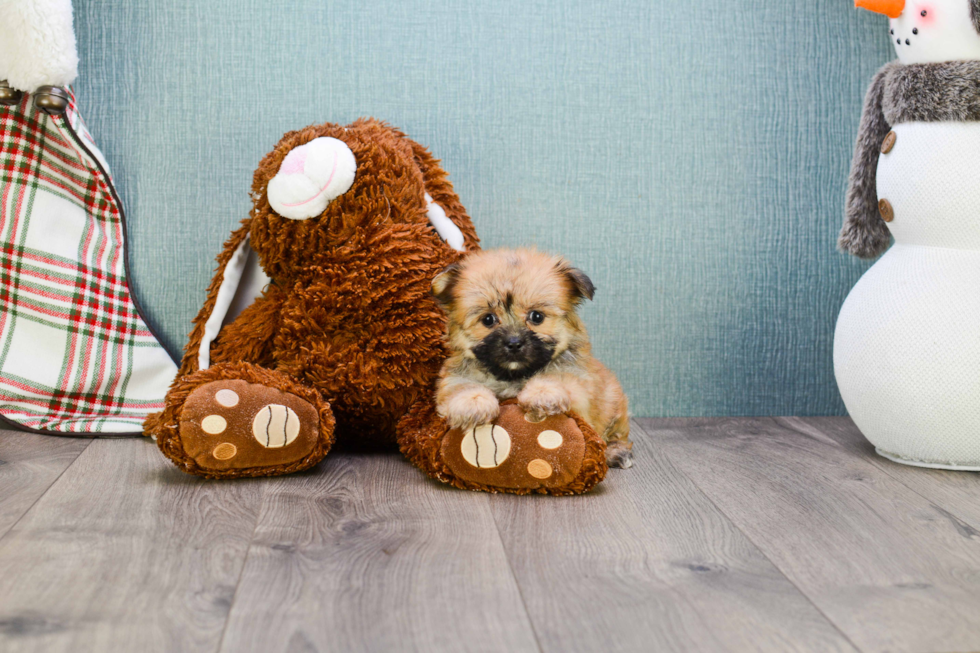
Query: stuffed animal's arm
{"x": 865, "y": 234}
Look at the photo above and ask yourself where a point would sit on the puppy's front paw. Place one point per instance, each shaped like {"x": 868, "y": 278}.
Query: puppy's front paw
{"x": 469, "y": 408}
{"x": 540, "y": 399}
{"x": 619, "y": 454}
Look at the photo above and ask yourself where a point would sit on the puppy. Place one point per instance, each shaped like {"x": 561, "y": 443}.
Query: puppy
{"x": 513, "y": 332}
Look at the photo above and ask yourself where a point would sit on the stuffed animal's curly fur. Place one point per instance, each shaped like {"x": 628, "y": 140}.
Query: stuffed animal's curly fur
{"x": 349, "y": 310}
{"x": 346, "y": 340}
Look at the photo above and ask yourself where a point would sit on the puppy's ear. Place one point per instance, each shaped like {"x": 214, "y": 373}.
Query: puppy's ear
{"x": 443, "y": 284}
{"x": 582, "y": 286}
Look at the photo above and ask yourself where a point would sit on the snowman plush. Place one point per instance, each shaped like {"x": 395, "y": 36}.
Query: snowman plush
{"x": 907, "y": 344}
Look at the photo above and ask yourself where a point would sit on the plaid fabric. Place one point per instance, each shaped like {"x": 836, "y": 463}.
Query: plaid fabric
{"x": 76, "y": 357}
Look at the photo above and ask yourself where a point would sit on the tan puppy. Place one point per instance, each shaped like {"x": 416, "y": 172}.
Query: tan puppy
{"x": 514, "y": 332}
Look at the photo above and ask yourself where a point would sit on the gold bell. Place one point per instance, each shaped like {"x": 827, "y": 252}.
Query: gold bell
{"x": 52, "y": 100}
{"x": 9, "y": 96}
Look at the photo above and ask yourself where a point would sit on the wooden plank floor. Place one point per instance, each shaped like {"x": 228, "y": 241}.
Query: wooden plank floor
{"x": 769, "y": 534}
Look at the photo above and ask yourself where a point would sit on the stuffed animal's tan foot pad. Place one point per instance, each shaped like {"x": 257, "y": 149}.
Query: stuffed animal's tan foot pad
{"x": 514, "y": 453}
{"x": 233, "y": 424}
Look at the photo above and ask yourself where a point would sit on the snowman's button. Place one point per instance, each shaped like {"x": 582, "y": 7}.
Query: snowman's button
{"x": 888, "y": 143}
{"x": 886, "y": 210}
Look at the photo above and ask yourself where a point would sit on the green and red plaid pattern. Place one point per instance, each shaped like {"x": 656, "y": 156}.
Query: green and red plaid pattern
{"x": 76, "y": 357}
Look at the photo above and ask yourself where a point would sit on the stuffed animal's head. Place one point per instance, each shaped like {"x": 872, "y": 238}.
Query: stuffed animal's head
{"x": 329, "y": 195}
{"x": 931, "y": 31}
{"x": 327, "y": 187}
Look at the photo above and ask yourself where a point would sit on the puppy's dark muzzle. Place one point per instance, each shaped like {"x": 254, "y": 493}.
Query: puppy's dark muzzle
{"x": 514, "y": 344}
{"x": 513, "y": 355}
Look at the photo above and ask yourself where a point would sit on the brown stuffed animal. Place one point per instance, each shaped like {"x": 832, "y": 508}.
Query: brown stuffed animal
{"x": 319, "y": 322}
{"x": 560, "y": 455}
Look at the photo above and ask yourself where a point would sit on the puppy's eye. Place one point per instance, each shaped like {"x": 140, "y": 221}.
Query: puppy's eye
{"x": 535, "y": 317}
{"x": 489, "y": 320}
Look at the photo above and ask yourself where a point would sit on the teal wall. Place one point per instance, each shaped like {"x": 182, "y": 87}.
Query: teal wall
{"x": 690, "y": 156}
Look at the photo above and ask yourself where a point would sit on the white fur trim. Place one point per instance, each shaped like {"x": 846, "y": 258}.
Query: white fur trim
{"x": 242, "y": 282}
{"x": 37, "y": 44}
{"x": 311, "y": 176}
{"x": 445, "y": 227}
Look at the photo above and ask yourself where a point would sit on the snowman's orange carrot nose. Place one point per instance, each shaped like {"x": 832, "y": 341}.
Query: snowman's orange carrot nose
{"x": 891, "y": 8}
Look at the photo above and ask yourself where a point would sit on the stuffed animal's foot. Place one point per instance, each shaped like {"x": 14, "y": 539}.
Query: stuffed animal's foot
{"x": 246, "y": 421}
{"x": 558, "y": 454}
{"x": 234, "y": 424}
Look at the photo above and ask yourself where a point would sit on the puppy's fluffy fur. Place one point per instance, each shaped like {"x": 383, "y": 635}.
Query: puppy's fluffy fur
{"x": 513, "y": 332}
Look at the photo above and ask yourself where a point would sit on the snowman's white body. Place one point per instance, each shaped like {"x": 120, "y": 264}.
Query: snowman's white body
{"x": 907, "y": 344}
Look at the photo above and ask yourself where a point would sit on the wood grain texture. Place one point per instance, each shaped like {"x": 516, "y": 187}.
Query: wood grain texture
{"x": 125, "y": 553}
{"x": 782, "y": 534}
{"x": 956, "y": 492}
{"x": 646, "y": 562}
{"x": 29, "y": 464}
{"x": 890, "y": 568}
{"x": 367, "y": 554}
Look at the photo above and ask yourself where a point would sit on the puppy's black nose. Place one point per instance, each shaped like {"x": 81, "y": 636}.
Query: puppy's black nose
{"x": 513, "y": 343}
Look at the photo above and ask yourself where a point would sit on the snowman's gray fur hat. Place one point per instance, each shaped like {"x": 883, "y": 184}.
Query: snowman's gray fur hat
{"x": 928, "y": 92}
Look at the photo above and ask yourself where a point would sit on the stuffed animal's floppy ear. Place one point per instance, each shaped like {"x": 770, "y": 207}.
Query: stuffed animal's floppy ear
{"x": 582, "y": 286}
{"x": 445, "y": 227}
{"x": 238, "y": 281}
{"x": 242, "y": 281}
{"x": 444, "y": 210}
{"x": 975, "y": 13}
{"x": 443, "y": 284}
